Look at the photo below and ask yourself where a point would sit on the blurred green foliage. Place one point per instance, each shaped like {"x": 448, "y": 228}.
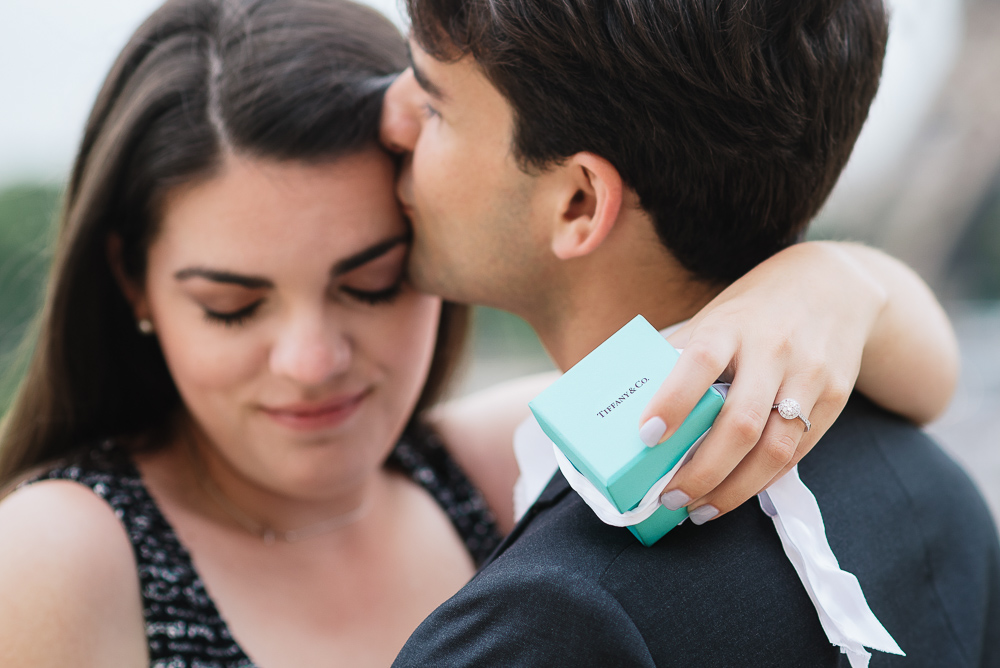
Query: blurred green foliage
{"x": 497, "y": 334}
{"x": 26, "y": 217}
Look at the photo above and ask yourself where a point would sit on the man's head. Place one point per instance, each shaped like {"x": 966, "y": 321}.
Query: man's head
{"x": 726, "y": 122}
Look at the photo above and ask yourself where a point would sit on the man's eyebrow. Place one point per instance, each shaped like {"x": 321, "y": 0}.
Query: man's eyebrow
{"x": 217, "y": 276}
{"x": 368, "y": 254}
{"x": 429, "y": 86}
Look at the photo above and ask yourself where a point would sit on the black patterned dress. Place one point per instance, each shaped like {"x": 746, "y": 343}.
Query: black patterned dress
{"x": 183, "y": 627}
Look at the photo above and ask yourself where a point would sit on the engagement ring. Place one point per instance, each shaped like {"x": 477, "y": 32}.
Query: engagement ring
{"x": 790, "y": 409}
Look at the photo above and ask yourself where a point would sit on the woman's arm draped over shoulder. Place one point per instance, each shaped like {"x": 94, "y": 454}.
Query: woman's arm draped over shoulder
{"x": 911, "y": 360}
{"x": 809, "y": 324}
{"x": 69, "y": 593}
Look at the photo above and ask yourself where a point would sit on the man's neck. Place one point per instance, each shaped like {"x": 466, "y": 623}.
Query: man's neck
{"x": 603, "y": 295}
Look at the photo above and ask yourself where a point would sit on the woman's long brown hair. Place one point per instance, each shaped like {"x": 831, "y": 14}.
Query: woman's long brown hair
{"x": 279, "y": 79}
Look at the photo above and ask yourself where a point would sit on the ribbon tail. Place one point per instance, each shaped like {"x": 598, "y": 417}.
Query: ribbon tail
{"x": 859, "y": 658}
{"x": 843, "y": 610}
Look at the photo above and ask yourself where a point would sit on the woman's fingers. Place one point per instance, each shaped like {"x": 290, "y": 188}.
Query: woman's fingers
{"x": 828, "y": 407}
{"x": 781, "y": 443}
{"x": 699, "y": 366}
{"x": 749, "y": 445}
{"x": 734, "y": 435}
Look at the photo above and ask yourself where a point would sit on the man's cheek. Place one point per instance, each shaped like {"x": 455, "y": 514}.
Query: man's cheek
{"x": 441, "y": 152}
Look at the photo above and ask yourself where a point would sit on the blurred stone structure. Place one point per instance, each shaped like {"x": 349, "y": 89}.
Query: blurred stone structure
{"x": 970, "y": 429}
{"x": 922, "y": 209}
{"x": 938, "y": 208}
{"x": 955, "y": 165}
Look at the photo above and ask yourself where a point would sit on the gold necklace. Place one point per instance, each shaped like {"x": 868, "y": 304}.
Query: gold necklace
{"x": 268, "y": 534}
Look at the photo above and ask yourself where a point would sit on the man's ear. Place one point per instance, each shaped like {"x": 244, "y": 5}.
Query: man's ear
{"x": 589, "y": 205}
{"x": 134, "y": 294}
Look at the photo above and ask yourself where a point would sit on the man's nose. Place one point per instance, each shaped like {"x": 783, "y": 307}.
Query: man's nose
{"x": 400, "y": 127}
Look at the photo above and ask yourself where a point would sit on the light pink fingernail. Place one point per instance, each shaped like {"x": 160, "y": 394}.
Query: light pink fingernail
{"x": 702, "y": 514}
{"x": 652, "y": 431}
{"x": 674, "y": 500}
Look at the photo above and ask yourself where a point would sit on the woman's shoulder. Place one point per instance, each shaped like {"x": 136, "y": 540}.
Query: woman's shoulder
{"x": 423, "y": 457}
{"x": 64, "y": 554}
{"x": 65, "y": 509}
{"x": 61, "y": 513}
{"x": 479, "y": 430}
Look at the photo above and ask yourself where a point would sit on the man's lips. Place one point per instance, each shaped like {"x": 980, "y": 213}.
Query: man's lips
{"x": 404, "y": 194}
{"x": 309, "y": 415}
{"x": 405, "y": 203}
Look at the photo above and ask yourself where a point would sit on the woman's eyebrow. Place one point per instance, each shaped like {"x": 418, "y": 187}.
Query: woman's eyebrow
{"x": 259, "y": 282}
{"x": 217, "y": 276}
{"x": 368, "y": 254}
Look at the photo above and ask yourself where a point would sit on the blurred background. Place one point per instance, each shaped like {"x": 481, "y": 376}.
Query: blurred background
{"x": 923, "y": 183}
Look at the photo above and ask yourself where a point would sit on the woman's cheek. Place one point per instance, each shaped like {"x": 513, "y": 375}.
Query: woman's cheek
{"x": 410, "y": 346}
{"x": 200, "y": 358}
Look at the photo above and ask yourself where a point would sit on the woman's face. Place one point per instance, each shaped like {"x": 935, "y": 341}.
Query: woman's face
{"x": 276, "y": 291}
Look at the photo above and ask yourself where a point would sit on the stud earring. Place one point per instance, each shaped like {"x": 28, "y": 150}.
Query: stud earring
{"x": 145, "y": 326}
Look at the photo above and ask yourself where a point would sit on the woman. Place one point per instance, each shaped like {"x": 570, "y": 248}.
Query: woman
{"x": 229, "y": 364}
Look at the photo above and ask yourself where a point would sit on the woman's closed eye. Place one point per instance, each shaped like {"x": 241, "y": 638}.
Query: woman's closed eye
{"x": 225, "y": 297}
{"x": 374, "y": 297}
{"x": 378, "y": 281}
{"x": 232, "y": 318}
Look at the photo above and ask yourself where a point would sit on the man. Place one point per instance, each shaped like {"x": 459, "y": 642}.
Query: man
{"x": 570, "y": 157}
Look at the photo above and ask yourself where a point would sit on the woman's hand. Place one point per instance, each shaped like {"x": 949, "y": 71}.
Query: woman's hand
{"x": 808, "y": 324}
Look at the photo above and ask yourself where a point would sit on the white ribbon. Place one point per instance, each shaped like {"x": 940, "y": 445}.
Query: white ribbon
{"x": 600, "y": 504}
{"x": 843, "y": 611}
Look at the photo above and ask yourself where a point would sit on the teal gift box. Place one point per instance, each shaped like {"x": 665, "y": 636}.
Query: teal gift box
{"x": 592, "y": 415}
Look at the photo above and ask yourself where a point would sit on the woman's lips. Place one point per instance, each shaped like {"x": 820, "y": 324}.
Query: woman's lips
{"x": 310, "y": 416}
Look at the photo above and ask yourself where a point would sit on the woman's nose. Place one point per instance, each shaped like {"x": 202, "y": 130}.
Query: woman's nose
{"x": 401, "y": 114}
{"x": 311, "y": 353}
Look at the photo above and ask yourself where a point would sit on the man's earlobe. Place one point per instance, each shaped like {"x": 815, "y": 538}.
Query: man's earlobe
{"x": 589, "y": 208}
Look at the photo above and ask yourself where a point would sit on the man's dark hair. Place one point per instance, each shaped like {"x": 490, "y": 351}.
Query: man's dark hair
{"x": 731, "y": 119}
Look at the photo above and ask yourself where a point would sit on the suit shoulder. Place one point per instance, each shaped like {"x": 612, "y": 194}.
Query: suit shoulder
{"x": 907, "y": 520}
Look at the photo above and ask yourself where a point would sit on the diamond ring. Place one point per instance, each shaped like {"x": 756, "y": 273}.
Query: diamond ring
{"x": 790, "y": 409}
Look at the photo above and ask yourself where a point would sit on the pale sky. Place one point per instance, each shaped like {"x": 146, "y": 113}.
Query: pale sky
{"x": 55, "y": 53}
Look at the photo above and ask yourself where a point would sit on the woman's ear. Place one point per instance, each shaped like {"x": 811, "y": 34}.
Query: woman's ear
{"x": 589, "y": 205}
{"x": 134, "y": 294}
